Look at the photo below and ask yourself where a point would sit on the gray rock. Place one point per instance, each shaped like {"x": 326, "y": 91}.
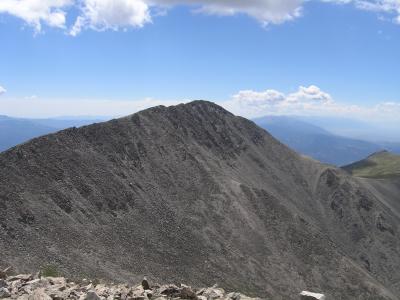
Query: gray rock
{"x": 91, "y": 295}
{"x": 39, "y": 294}
{"x": 213, "y": 293}
{"x": 3, "y": 283}
{"x": 145, "y": 284}
{"x": 169, "y": 290}
{"x": 305, "y": 295}
{"x": 187, "y": 293}
{"x": 4, "y": 293}
{"x": 4, "y": 273}
{"x": 22, "y": 277}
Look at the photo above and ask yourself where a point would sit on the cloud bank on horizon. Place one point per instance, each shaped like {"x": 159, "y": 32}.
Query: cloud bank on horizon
{"x": 306, "y": 101}
{"x": 103, "y": 15}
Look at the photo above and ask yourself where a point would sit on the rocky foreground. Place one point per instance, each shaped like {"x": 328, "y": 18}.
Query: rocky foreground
{"x": 36, "y": 287}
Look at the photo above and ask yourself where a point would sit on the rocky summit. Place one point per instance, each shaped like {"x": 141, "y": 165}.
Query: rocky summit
{"x": 192, "y": 193}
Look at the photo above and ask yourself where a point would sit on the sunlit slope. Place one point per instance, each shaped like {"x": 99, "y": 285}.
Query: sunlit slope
{"x": 379, "y": 165}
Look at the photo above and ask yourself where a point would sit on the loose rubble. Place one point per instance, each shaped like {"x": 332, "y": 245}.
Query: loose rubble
{"x": 35, "y": 287}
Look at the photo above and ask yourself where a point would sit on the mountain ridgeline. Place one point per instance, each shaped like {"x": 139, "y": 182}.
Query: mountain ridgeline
{"x": 192, "y": 193}
{"x": 382, "y": 164}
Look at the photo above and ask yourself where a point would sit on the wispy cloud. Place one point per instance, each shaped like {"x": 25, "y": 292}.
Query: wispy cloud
{"x": 2, "y": 90}
{"x": 306, "y": 100}
{"x": 390, "y": 7}
{"x": 103, "y": 15}
{"x": 31, "y": 97}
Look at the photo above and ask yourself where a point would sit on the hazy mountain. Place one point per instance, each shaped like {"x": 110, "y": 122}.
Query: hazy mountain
{"x": 380, "y": 165}
{"x": 356, "y": 129}
{"x": 193, "y": 194}
{"x": 14, "y": 131}
{"x": 315, "y": 141}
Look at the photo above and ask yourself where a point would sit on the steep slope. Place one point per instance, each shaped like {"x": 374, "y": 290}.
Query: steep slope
{"x": 193, "y": 194}
{"x": 315, "y": 141}
{"x": 382, "y": 164}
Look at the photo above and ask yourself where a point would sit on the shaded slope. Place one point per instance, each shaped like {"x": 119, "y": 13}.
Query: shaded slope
{"x": 316, "y": 142}
{"x": 379, "y": 165}
{"x": 192, "y": 193}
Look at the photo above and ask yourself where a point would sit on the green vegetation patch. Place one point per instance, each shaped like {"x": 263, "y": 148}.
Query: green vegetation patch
{"x": 379, "y": 165}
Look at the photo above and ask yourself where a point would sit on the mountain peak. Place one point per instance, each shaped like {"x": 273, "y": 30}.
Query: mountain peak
{"x": 193, "y": 193}
{"x": 379, "y": 153}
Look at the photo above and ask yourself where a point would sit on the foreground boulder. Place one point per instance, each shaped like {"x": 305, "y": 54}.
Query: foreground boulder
{"x": 29, "y": 287}
{"x": 305, "y": 295}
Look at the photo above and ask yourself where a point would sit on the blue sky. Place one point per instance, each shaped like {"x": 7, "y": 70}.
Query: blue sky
{"x": 258, "y": 58}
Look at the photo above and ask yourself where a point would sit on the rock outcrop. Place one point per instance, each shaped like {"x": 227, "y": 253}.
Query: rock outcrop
{"x": 29, "y": 287}
{"x": 305, "y": 295}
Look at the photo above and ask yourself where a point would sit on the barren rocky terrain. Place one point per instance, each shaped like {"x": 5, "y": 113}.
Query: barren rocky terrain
{"x": 192, "y": 193}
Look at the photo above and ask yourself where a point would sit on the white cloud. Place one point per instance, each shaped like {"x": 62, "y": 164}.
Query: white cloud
{"x": 116, "y": 14}
{"x": 309, "y": 94}
{"x": 251, "y": 103}
{"x": 35, "y": 12}
{"x": 265, "y": 11}
{"x": 309, "y": 100}
{"x": 121, "y": 14}
{"x": 111, "y": 14}
{"x": 258, "y": 99}
{"x": 248, "y": 104}
{"x": 389, "y": 107}
{"x": 2, "y": 90}
{"x": 388, "y": 7}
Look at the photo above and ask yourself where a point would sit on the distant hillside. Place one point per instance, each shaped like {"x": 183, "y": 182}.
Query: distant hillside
{"x": 315, "y": 141}
{"x": 14, "y": 131}
{"x": 355, "y": 129}
{"x": 379, "y": 165}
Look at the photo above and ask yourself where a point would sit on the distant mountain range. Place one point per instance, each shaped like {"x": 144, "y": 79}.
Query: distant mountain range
{"x": 14, "y": 131}
{"x": 305, "y": 137}
{"x": 318, "y": 143}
